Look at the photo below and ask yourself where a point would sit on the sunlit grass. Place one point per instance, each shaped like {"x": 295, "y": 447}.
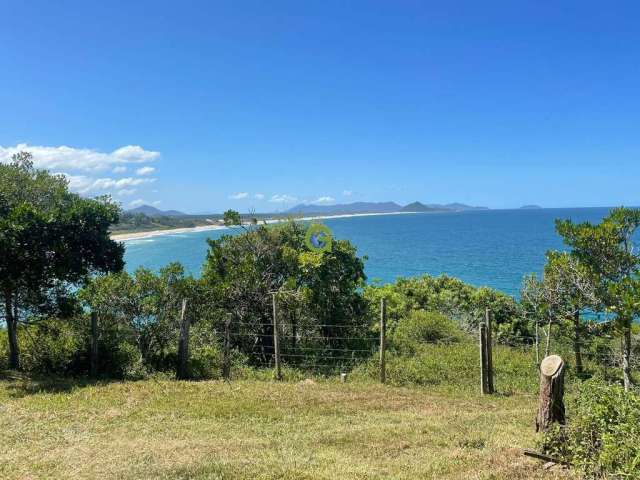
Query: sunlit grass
{"x": 262, "y": 430}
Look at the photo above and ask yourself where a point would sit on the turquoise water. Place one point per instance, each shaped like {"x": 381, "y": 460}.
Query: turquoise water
{"x": 494, "y": 248}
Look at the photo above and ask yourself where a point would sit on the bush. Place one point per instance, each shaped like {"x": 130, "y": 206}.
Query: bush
{"x": 205, "y": 362}
{"x": 49, "y": 347}
{"x": 602, "y": 437}
{"x": 128, "y": 363}
{"x": 422, "y": 327}
{"x": 461, "y": 302}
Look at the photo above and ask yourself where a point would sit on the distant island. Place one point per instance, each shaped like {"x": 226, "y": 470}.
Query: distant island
{"x": 530, "y": 207}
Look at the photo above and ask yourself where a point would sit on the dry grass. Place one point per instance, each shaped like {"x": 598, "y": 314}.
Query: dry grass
{"x": 261, "y": 430}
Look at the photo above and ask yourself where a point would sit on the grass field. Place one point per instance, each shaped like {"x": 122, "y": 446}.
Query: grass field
{"x": 262, "y": 430}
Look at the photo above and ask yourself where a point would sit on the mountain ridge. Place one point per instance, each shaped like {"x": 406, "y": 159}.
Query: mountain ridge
{"x": 150, "y": 211}
{"x": 379, "y": 207}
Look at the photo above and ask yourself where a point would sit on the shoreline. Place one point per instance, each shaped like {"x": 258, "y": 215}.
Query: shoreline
{"x": 123, "y": 237}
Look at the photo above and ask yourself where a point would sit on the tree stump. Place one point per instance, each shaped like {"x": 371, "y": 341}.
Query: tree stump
{"x": 551, "y": 404}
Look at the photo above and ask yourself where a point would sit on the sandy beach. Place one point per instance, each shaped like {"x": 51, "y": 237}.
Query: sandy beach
{"x": 123, "y": 237}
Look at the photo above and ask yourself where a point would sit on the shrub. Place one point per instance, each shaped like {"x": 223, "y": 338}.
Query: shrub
{"x": 49, "y": 347}
{"x": 205, "y": 362}
{"x": 461, "y": 302}
{"x": 602, "y": 437}
{"x": 128, "y": 363}
{"x": 422, "y": 327}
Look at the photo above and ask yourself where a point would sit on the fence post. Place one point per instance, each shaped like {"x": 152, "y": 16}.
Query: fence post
{"x": 183, "y": 344}
{"x": 276, "y": 341}
{"x": 93, "y": 368}
{"x": 484, "y": 367}
{"x": 489, "y": 352}
{"x": 226, "y": 360}
{"x": 383, "y": 340}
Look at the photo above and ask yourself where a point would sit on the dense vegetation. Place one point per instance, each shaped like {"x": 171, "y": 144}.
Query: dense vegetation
{"x": 50, "y": 239}
{"x": 603, "y": 436}
{"x": 139, "y": 222}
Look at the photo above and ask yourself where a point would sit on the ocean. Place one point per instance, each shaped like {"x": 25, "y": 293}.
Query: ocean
{"x": 494, "y": 248}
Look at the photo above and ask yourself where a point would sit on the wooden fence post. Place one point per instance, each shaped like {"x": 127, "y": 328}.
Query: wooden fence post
{"x": 183, "y": 344}
{"x": 226, "y": 359}
{"x": 93, "y": 367}
{"x": 484, "y": 361}
{"x": 276, "y": 341}
{"x": 489, "y": 352}
{"x": 551, "y": 404}
{"x": 383, "y": 340}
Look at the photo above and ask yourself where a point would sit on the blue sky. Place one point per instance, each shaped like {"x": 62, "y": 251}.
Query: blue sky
{"x": 190, "y": 104}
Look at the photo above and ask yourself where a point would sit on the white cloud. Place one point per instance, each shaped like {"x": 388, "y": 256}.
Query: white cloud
{"x": 259, "y": 196}
{"x": 84, "y": 159}
{"x": 239, "y": 196}
{"x": 145, "y": 171}
{"x": 282, "y": 199}
{"x": 326, "y": 199}
{"x": 135, "y": 154}
{"x": 138, "y": 202}
{"x": 84, "y": 184}
{"x": 109, "y": 183}
{"x": 347, "y": 193}
{"x": 79, "y": 183}
{"x": 82, "y": 166}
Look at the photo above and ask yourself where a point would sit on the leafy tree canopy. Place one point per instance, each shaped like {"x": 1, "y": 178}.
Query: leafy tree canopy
{"x": 50, "y": 238}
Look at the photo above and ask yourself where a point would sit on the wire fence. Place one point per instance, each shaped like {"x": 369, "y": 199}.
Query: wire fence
{"x": 292, "y": 342}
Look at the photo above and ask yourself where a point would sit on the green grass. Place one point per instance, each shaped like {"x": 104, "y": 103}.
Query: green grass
{"x": 262, "y": 430}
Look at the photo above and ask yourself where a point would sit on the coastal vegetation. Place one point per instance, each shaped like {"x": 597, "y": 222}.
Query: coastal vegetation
{"x": 267, "y": 300}
{"x": 50, "y": 239}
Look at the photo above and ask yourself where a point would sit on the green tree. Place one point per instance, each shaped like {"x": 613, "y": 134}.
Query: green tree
{"x": 567, "y": 288}
{"x": 320, "y": 289}
{"x": 143, "y": 310}
{"x": 50, "y": 239}
{"x": 607, "y": 250}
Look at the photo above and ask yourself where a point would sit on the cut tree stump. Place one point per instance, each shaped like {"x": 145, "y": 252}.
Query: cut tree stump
{"x": 551, "y": 403}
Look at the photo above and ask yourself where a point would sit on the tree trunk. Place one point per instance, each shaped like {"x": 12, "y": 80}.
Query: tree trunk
{"x": 626, "y": 357}
{"x": 551, "y": 404}
{"x": 12, "y": 332}
{"x": 577, "y": 338}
